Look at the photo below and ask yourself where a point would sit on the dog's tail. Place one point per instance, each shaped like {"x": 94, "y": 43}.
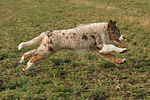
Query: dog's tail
{"x": 32, "y": 42}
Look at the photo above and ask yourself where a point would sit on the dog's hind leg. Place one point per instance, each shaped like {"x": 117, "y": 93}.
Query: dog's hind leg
{"x": 34, "y": 60}
{"x": 112, "y": 58}
{"x": 27, "y": 55}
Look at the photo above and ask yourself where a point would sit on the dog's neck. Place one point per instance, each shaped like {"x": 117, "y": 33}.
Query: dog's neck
{"x": 103, "y": 28}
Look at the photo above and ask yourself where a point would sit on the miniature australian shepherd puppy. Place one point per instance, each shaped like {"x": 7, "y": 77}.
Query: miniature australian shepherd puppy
{"x": 86, "y": 38}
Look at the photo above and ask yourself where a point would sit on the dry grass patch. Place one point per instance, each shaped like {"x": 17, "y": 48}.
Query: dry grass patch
{"x": 139, "y": 22}
{"x": 96, "y": 6}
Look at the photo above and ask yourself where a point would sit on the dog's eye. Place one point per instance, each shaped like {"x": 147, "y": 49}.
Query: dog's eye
{"x": 117, "y": 32}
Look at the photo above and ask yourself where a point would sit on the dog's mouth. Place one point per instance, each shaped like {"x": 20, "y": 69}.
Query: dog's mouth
{"x": 121, "y": 38}
{"x": 118, "y": 41}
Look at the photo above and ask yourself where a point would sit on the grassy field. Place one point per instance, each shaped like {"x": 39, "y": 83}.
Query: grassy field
{"x": 69, "y": 75}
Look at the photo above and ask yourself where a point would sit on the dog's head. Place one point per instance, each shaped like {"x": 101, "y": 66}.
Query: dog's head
{"x": 114, "y": 32}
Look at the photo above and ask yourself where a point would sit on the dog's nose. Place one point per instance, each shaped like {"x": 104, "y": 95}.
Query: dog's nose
{"x": 124, "y": 38}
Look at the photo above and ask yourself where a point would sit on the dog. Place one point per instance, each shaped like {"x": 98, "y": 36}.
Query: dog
{"x": 93, "y": 37}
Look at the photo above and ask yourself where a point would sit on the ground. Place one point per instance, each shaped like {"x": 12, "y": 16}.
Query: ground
{"x": 69, "y": 75}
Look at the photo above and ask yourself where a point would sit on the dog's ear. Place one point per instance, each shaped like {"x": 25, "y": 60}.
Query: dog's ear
{"x": 111, "y": 23}
{"x": 114, "y": 22}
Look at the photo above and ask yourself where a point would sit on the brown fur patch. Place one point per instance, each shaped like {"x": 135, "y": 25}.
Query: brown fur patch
{"x": 50, "y": 49}
{"x": 48, "y": 35}
{"x": 45, "y": 45}
{"x": 36, "y": 59}
{"x": 26, "y": 56}
{"x": 112, "y": 58}
{"x": 99, "y": 48}
{"x": 74, "y": 33}
{"x": 93, "y": 36}
{"x": 51, "y": 42}
{"x": 84, "y": 37}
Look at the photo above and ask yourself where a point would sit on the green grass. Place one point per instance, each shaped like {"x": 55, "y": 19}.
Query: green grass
{"x": 68, "y": 75}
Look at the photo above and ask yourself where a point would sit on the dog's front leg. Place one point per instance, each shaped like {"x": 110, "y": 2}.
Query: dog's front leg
{"x": 112, "y": 48}
{"x": 112, "y": 58}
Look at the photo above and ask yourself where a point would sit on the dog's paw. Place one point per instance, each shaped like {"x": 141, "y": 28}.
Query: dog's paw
{"x": 124, "y": 50}
{"x": 123, "y": 61}
{"x": 20, "y": 46}
{"x": 24, "y": 70}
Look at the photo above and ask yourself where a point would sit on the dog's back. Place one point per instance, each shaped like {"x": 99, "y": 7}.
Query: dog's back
{"x": 79, "y": 38}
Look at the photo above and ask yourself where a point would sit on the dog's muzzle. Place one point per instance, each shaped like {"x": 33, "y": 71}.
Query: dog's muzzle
{"x": 121, "y": 38}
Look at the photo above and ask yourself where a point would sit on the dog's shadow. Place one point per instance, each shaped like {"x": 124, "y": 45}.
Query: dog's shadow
{"x": 59, "y": 61}
{"x": 107, "y": 64}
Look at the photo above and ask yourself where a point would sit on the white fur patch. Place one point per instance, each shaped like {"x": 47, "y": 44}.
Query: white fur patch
{"x": 111, "y": 48}
{"x": 20, "y": 46}
{"x": 121, "y": 38}
{"x": 22, "y": 59}
{"x": 29, "y": 65}
{"x": 123, "y": 60}
{"x": 103, "y": 38}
